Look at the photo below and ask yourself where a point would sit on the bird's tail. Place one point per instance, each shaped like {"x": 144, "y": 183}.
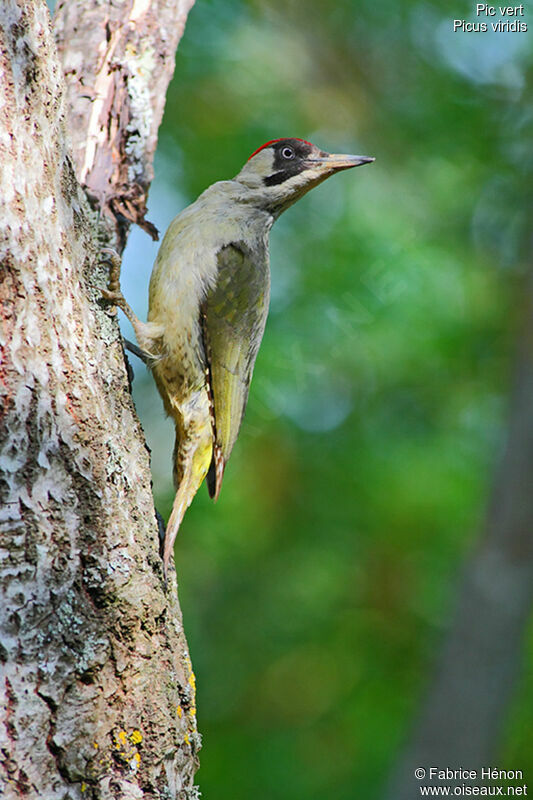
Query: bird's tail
{"x": 181, "y": 503}
{"x": 192, "y": 457}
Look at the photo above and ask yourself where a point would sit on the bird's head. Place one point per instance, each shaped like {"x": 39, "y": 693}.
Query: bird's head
{"x": 281, "y": 171}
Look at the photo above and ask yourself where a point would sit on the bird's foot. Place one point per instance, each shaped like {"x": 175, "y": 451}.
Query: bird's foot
{"x": 112, "y": 258}
{"x": 113, "y": 293}
{"x": 116, "y": 298}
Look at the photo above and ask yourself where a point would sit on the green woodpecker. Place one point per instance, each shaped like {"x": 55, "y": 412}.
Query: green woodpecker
{"x": 209, "y": 296}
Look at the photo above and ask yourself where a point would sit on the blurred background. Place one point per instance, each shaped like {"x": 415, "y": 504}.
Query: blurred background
{"x": 318, "y": 592}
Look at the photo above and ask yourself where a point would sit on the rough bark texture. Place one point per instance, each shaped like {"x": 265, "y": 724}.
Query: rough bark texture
{"x": 461, "y": 722}
{"x": 98, "y": 691}
{"x": 118, "y": 59}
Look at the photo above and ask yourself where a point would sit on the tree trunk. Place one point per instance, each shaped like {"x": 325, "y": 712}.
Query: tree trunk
{"x": 97, "y": 681}
{"x": 461, "y": 722}
{"x": 118, "y": 59}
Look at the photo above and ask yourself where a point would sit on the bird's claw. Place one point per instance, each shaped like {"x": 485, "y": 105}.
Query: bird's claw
{"x": 113, "y": 296}
{"x": 111, "y": 257}
{"x": 113, "y": 293}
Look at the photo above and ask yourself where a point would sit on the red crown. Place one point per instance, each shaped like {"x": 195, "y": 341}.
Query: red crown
{"x": 273, "y": 141}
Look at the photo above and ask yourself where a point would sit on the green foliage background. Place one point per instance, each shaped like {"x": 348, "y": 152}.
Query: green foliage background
{"x": 316, "y": 592}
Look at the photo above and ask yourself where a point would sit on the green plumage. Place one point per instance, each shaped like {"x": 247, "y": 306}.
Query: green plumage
{"x": 234, "y": 316}
{"x": 209, "y": 296}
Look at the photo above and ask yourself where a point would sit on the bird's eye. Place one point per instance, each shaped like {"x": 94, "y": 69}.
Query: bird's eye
{"x": 287, "y": 152}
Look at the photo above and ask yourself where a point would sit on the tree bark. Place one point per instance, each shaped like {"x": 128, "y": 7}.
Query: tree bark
{"x": 462, "y": 719}
{"x": 98, "y": 690}
{"x": 118, "y": 59}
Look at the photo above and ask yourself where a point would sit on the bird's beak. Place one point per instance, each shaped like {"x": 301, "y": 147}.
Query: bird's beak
{"x": 333, "y": 162}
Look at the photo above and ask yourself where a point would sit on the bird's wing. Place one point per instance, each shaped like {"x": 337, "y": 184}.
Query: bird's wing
{"x": 233, "y": 320}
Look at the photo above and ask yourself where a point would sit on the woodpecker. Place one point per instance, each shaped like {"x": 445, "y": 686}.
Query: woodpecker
{"x": 208, "y": 304}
